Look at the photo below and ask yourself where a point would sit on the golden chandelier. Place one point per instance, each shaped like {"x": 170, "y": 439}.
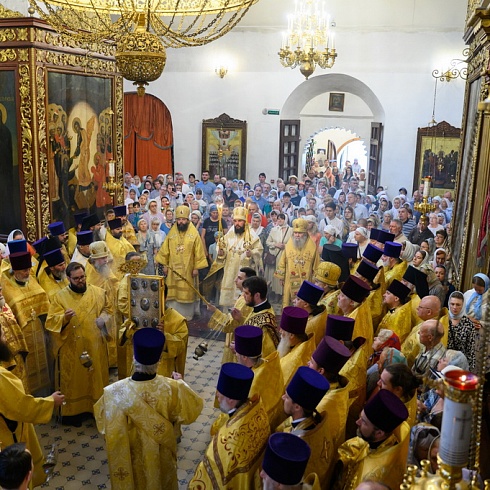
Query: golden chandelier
{"x": 309, "y": 31}
{"x": 142, "y": 29}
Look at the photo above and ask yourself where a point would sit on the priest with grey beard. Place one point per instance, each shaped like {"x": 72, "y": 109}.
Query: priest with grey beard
{"x": 298, "y": 262}
{"x": 99, "y": 273}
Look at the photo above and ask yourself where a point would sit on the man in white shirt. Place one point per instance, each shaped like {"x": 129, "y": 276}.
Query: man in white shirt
{"x": 331, "y": 219}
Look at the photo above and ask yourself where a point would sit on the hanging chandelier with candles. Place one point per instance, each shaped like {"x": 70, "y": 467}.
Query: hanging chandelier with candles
{"x": 309, "y": 40}
{"x": 142, "y": 29}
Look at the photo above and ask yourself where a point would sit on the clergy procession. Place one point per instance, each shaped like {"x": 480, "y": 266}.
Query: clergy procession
{"x": 332, "y": 310}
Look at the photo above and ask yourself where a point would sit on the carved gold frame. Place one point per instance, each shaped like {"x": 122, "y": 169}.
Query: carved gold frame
{"x": 31, "y": 48}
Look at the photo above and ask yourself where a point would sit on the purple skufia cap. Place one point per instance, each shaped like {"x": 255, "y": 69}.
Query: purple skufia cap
{"x": 39, "y": 245}
{"x": 79, "y": 217}
{"x": 418, "y": 279}
{"x": 56, "y": 228}
{"x": 373, "y": 235}
{"x": 89, "y": 221}
{"x": 120, "y": 211}
{"x": 248, "y": 340}
{"x": 17, "y": 246}
{"x": 85, "y": 237}
{"x": 332, "y": 253}
{"x": 367, "y": 270}
{"x": 20, "y": 261}
{"x": 307, "y": 387}
{"x": 294, "y": 320}
{"x": 340, "y": 327}
{"x": 148, "y": 345}
{"x": 286, "y": 457}
{"x": 356, "y": 289}
{"x": 349, "y": 250}
{"x": 235, "y": 381}
{"x": 392, "y": 249}
{"x": 115, "y": 223}
{"x": 310, "y": 293}
{"x": 384, "y": 236}
{"x": 386, "y": 411}
{"x": 399, "y": 289}
{"x": 372, "y": 253}
{"x": 54, "y": 257}
{"x": 331, "y": 355}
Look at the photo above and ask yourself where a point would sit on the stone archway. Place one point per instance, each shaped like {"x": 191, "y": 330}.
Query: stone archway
{"x": 309, "y": 89}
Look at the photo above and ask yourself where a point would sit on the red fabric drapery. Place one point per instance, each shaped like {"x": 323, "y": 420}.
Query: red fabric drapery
{"x": 148, "y": 135}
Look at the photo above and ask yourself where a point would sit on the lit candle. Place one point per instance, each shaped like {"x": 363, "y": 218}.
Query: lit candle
{"x": 112, "y": 170}
{"x": 426, "y": 188}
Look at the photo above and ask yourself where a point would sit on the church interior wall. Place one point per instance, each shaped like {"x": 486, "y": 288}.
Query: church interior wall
{"x": 396, "y": 66}
{"x": 391, "y": 46}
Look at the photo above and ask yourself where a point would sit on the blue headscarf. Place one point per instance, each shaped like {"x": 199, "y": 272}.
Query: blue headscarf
{"x": 478, "y": 298}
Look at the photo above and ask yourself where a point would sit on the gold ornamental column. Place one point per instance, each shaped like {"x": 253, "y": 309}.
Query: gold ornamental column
{"x": 54, "y": 78}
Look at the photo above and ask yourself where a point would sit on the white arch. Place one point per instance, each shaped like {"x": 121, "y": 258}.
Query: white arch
{"x": 338, "y": 82}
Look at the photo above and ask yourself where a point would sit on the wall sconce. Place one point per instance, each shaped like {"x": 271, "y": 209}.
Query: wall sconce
{"x": 221, "y": 71}
{"x": 456, "y": 69}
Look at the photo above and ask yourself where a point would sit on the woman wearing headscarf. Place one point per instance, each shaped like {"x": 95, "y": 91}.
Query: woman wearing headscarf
{"x": 462, "y": 334}
{"x": 474, "y": 297}
{"x": 361, "y": 236}
{"x": 420, "y": 259}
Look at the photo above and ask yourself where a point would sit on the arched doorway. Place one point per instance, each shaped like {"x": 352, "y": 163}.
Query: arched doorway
{"x": 307, "y": 107}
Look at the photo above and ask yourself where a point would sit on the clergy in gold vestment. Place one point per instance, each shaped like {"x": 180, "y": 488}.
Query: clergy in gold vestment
{"x": 176, "y": 338}
{"x": 398, "y": 319}
{"x": 376, "y": 278}
{"x": 298, "y": 262}
{"x": 137, "y": 416}
{"x": 99, "y": 274}
{"x": 262, "y": 314}
{"x": 379, "y": 452}
{"x": 29, "y": 303}
{"x": 307, "y": 298}
{"x": 234, "y": 453}
{"x": 118, "y": 246}
{"x": 242, "y": 248}
{"x": 328, "y": 359}
{"x": 224, "y": 321}
{"x": 19, "y": 411}
{"x": 304, "y": 392}
{"x": 78, "y": 320}
{"x": 285, "y": 460}
{"x": 268, "y": 381}
{"x": 182, "y": 255}
{"x": 52, "y": 278}
{"x": 326, "y": 276}
{"x": 416, "y": 280}
{"x": 296, "y": 346}
{"x": 352, "y": 302}
{"x": 14, "y": 337}
{"x": 393, "y": 265}
{"x": 129, "y": 234}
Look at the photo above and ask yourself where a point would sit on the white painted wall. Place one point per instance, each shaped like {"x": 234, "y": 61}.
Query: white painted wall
{"x": 386, "y": 62}
{"x": 391, "y": 46}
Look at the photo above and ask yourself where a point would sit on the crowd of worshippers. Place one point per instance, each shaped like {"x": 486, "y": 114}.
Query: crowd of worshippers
{"x": 368, "y": 325}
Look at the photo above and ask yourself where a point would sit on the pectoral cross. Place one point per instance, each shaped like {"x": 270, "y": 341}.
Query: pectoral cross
{"x": 180, "y": 248}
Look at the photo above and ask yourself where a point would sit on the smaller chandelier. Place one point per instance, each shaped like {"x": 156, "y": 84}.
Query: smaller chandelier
{"x": 308, "y": 32}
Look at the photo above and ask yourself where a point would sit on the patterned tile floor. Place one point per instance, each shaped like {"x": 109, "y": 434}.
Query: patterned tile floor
{"x": 82, "y": 457}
